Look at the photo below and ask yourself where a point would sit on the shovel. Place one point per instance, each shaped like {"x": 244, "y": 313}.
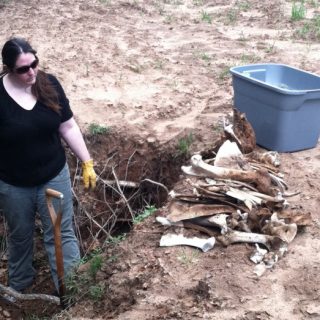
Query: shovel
{"x": 56, "y": 222}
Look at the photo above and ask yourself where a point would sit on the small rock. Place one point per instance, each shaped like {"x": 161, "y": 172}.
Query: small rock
{"x": 151, "y": 139}
{"x": 6, "y": 313}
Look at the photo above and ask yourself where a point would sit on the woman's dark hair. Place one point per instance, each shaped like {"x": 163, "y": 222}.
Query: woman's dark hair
{"x": 43, "y": 89}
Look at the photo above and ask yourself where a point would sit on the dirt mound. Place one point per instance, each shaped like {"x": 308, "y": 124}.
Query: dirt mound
{"x": 156, "y": 75}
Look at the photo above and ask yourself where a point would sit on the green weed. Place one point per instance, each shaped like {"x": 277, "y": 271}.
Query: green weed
{"x": 95, "y": 265}
{"x": 310, "y": 29}
{"x": 78, "y": 283}
{"x": 184, "y": 144}
{"x": 243, "y": 5}
{"x": 96, "y": 129}
{"x": 96, "y": 292}
{"x": 205, "y": 57}
{"x": 159, "y": 64}
{"x": 205, "y": 16}
{"x": 188, "y": 258}
{"x": 298, "y": 11}
{"x": 91, "y": 255}
{"x": 271, "y": 48}
{"x": 198, "y": 2}
{"x": 4, "y": 2}
{"x": 148, "y": 211}
{"x": 232, "y": 15}
{"x": 169, "y": 19}
{"x": 248, "y": 58}
{"x": 224, "y": 74}
{"x": 114, "y": 240}
{"x": 242, "y": 37}
{"x": 74, "y": 285}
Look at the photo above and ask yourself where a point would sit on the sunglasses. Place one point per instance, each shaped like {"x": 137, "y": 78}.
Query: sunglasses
{"x": 25, "y": 69}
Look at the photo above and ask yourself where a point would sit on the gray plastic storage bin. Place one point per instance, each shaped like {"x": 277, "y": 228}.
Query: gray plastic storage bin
{"x": 282, "y": 104}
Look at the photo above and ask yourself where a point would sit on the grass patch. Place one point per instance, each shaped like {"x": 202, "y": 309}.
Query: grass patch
{"x": 233, "y": 13}
{"x": 96, "y": 129}
{"x": 243, "y": 5}
{"x": 85, "y": 282}
{"x": 95, "y": 265}
{"x": 96, "y": 292}
{"x": 248, "y": 58}
{"x": 205, "y": 57}
{"x": 159, "y": 64}
{"x": 224, "y": 74}
{"x": 184, "y": 144}
{"x": 206, "y": 17}
{"x": 107, "y": 2}
{"x": 188, "y": 259}
{"x": 298, "y": 11}
{"x": 147, "y": 212}
{"x": 232, "y": 16}
{"x": 310, "y": 30}
{"x": 115, "y": 240}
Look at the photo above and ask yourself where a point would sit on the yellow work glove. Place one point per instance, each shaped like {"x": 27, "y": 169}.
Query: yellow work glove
{"x": 88, "y": 174}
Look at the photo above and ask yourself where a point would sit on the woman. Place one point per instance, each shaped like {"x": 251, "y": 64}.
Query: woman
{"x": 34, "y": 115}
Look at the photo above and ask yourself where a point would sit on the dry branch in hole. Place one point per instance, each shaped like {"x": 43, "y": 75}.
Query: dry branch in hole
{"x": 19, "y": 296}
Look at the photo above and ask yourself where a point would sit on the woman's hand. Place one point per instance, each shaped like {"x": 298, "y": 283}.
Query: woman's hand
{"x": 88, "y": 174}
{"x": 71, "y": 134}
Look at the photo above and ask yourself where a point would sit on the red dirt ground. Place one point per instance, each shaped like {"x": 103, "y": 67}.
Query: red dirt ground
{"x": 155, "y": 72}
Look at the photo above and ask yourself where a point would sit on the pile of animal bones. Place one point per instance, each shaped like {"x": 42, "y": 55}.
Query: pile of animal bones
{"x": 238, "y": 196}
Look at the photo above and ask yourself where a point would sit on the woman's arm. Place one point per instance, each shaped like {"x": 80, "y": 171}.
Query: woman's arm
{"x": 71, "y": 134}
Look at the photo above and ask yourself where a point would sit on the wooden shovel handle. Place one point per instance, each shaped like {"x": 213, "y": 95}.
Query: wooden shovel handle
{"x": 54, "y": 193}
{"x": 56, "y": 222}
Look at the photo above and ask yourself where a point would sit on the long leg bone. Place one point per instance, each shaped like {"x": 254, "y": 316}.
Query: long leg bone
{"x": 260, "y": 178}
{"x": 169, "y": 240}
{"x": 238, "y": 236}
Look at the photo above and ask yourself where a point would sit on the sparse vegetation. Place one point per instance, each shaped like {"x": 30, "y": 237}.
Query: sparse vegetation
{"x": 184, "y": 144}
{"x": 198, "y": 2}
{"x": 114, "y": 240}
{"x": 96, "y": 129}
{"x": 243, "y": 5}
{"x": 248, "y": 58}
{"x": 232, "y": 15}
{"x": 205, "y": 16}
{"x": 76, "y": 282}
{"x": 188, "y": 258}
{"x": 298, "y": 11}
{"x": 224, "y": 74}
{"x": 159, "y": 64}
{"x": 96, "y": 292}
{"x": 310, "y": 29}
{"x": 204, "y": 56}
{"x": 148, "y": 211}
{"x": 95, "y": 265}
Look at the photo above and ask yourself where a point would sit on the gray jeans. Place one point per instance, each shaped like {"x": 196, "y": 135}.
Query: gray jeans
{"x": 19, "y": 205}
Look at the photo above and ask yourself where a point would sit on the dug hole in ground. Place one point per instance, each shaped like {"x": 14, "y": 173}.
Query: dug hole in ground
{"x": 149, "y": 84}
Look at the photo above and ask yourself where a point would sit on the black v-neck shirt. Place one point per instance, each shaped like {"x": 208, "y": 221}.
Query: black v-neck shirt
{"x": 31, "y": 152}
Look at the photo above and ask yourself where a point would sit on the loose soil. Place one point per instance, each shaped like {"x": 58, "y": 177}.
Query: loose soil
{"x": 154, "y": 73}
